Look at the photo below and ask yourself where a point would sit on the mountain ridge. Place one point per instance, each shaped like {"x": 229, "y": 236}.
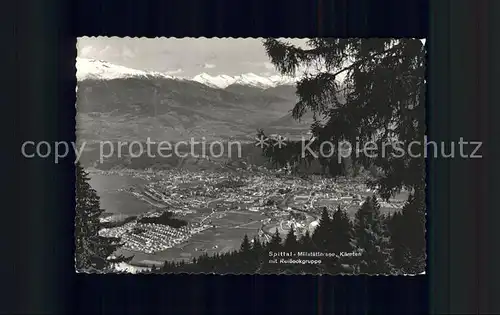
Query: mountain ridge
{"x": 103, "y": 70}
{"x": 168, "y": 109}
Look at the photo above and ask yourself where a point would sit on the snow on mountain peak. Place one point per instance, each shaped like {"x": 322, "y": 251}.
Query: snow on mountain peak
{"x": 251, "y": 79}
{"x": 103, "y": 70}
{"x": 219, "y": 81}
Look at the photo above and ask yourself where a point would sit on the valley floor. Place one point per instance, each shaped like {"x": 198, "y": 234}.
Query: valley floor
{"x": 219, "y": 208}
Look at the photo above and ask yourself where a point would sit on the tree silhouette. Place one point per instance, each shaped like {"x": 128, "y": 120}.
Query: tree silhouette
{"x": 322, "y": 233}
{"x": 381, "y": 99}
{"x": 93, "y": 252}
{"x": 245, "y": 245}
{"x": 245, "y": 256}
{"x": 276, "y": 242}
{"x": 253, "y": 257}
{"x": 259, "y": 254}
{"x": 305, "y": 241}
{"x": 371, "y": 239}
{"x": 342, "y": 231}
{"x": 291, "y": 243}
{"x": 408, "y": 237}
{"x": 257, "y": 245}
{"x": 382, "y": 94}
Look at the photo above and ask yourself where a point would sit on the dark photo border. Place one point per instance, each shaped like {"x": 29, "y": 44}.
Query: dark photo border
{"x": 39, "y": 266}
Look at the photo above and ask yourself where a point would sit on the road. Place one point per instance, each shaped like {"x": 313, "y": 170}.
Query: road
{"x": 248, "y": 223}
{"x": 212, "y": 201}
{"x": 284, "y": 204}
{"x": 208, "y": 206}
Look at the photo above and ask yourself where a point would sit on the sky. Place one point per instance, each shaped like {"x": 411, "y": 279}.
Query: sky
{"x": 185, "y": 57}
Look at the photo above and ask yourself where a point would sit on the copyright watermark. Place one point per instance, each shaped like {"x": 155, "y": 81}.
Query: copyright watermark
{"x": 59, "y": 150}
{"x": 107, "y": 149}
{"x": 396, "y": 149}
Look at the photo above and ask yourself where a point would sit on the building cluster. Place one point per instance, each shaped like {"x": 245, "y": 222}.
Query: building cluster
{"x": 151, "y": 238}
{"x": 281, "y": 198}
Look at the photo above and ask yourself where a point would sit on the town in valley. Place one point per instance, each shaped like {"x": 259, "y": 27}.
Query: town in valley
{"x": 187, "y": 213}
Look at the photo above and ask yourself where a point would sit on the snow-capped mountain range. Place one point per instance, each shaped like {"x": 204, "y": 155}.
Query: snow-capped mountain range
{"x": 103, "y": 70}
{"x": 251, "y": 79}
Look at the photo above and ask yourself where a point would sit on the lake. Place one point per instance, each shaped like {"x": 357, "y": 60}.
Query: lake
{"x": 115, "y": 201}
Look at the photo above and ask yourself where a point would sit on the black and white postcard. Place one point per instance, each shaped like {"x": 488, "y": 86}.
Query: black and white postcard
{"x": 250, "y": 156}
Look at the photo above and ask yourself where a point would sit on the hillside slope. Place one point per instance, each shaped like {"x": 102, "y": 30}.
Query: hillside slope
{"x": 168, "y": 109}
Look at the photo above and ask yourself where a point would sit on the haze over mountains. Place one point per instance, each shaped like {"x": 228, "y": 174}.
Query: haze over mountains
{"x": 119, "y": 103}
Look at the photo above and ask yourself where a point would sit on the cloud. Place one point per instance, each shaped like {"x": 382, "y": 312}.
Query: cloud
{"x": 96, "y": 52}
{"x": 85, "y": 51}
{"x": 90, "y": 52}
{"x": 172, "y": 72}
{"x": 127, "y": 53}
{"x": 269, "y": 66}
{"x": 209, "y": 66}
{"x": 191, "y": 55}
